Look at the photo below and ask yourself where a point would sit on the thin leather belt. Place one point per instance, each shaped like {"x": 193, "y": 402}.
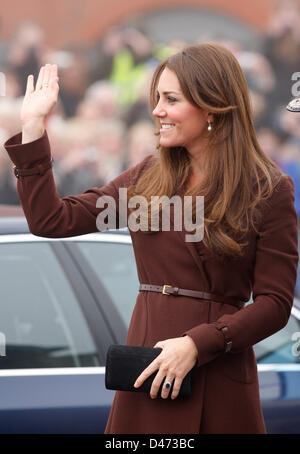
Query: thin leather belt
{"x": 169, "y": 290}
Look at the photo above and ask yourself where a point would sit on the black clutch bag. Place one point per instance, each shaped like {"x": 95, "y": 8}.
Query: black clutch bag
{"x": 124, "y": 363}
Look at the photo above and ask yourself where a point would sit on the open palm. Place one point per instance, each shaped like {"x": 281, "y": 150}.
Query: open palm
{"x": 39, "y": 100}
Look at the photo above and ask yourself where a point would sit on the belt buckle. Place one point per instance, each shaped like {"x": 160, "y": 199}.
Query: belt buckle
{"x": 164, "y": 289}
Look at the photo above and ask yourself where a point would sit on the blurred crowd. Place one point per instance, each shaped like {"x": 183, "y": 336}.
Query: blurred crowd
{"x": 102, "y": 123}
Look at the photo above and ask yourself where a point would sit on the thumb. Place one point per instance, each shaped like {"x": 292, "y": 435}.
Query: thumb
{"x": 160, "y": 344}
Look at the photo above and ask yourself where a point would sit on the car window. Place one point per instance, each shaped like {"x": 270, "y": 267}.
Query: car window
{"x": 40, "y": 317}
{"x": 114, "y": 264}
{"x": 281, "y": 347}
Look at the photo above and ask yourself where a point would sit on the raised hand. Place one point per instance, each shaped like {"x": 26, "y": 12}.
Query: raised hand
{"x": 39, "y": 100}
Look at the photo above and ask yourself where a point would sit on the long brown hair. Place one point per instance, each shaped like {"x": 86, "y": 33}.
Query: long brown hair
{"x": 239, "y": 174}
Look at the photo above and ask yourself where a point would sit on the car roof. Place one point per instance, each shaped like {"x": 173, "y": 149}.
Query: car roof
{"x": 13, "y": 224}
{"x": 18, "y": 225}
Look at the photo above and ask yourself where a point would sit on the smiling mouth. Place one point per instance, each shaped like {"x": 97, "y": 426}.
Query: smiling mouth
{"x": 166, "y": 126}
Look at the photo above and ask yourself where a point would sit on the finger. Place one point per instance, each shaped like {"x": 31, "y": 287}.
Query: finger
{"x": 176, "y": 387}
{"x": 53, "y": 70}
{"x": 157, "y": 382}
{"x": 46, "y": 76}
{"x": 146, "y": 373}
{"x": 167, "y": 385}
{"x": 159, "y": 344}
{"x": 53, "y": 82}
{"x": 29, "y": 85}
{"x": 40, "y": 79}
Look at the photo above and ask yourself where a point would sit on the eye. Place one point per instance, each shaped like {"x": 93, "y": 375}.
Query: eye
{"x": 171, "y": 99}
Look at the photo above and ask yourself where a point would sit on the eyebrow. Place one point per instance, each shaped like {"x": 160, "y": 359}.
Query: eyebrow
{"x": 168, "y": 92}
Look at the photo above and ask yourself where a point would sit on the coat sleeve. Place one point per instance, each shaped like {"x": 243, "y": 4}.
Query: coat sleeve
{"x": 274, "y": 281}
{"x": 47, "y": 214}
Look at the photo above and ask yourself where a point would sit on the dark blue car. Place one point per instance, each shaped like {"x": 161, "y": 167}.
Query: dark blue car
{"x": 63, "y": 302}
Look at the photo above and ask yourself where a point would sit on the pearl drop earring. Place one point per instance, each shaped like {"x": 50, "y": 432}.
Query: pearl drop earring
{"x": 209, "y": 127}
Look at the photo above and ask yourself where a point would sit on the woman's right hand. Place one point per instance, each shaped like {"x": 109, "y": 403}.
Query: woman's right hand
{"x": 40, "y": 100}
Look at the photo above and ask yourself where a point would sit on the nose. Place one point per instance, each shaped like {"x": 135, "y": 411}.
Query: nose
{"x": 159, "y": 111}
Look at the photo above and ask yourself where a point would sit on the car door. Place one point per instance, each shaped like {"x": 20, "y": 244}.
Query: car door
{"x": 108, "y": 265}
{"x": 53, "y": 342}
{"x": 278, "y": 359}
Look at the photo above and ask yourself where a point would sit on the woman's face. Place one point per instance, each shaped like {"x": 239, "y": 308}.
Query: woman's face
{"x": 182, "y": 124}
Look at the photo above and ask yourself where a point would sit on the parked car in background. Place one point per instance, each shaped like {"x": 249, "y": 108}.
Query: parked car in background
{"x": 63, "y": 302}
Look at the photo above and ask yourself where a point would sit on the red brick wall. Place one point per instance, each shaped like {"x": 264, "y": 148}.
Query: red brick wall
{"x": 83, "y": 21}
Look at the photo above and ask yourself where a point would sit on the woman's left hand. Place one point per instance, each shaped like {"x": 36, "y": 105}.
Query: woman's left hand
{"x": 174, "y": 362}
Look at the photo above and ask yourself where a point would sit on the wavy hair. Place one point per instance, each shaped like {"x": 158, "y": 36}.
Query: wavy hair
{"x": 239, "y": 175}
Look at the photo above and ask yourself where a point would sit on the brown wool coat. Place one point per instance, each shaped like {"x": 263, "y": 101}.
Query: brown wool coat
{"x": 226, "y": 391}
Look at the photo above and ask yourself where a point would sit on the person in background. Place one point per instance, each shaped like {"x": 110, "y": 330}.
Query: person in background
{"x": 141, "y": 142}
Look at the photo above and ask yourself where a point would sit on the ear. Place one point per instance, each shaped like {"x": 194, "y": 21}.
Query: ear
{"x": 209, "y": 117}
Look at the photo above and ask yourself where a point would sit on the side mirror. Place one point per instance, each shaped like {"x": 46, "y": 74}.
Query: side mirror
{"x": 294, "y": 105}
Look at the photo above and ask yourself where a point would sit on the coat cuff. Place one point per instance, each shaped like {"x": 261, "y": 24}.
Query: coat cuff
{"x": 27, "y": 155}
{"x": 208, "y": 340}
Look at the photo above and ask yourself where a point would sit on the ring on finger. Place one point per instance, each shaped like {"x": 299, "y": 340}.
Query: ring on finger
{"x": 167, "y": 384}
